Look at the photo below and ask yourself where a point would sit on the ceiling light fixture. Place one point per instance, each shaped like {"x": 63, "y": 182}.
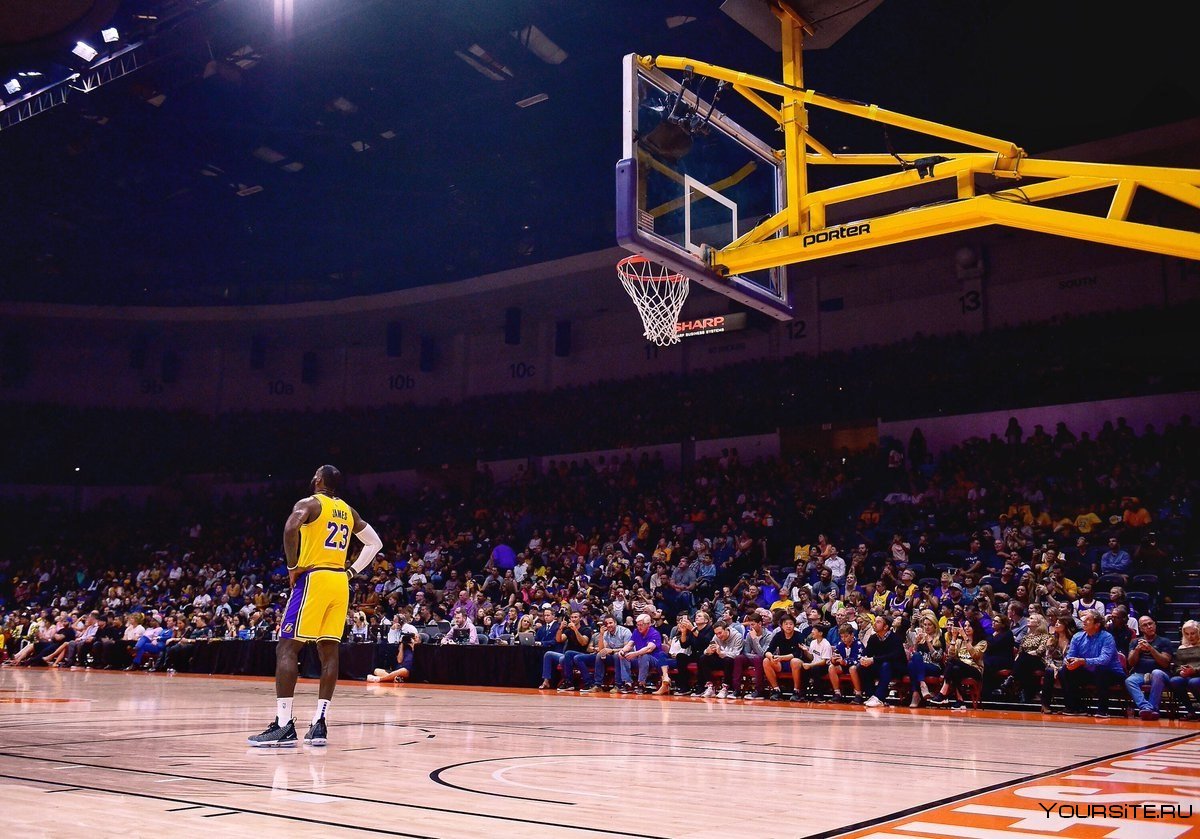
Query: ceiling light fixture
{"x": 538, "y": 43}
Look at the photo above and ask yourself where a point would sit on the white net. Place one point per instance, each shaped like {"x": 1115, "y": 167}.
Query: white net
{"x": 658, "y": 294}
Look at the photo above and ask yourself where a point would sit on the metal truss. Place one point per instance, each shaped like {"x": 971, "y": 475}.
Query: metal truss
{"x": 119, "y": 64}
{"x": 1034, "y": 181}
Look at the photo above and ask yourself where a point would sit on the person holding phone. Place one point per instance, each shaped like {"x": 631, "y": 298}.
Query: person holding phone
{"x": 1149, "y": 663}
{"x": 1186, "y": 676}
{"x": 965, "y": 651}
{"x": 845, "y": 653}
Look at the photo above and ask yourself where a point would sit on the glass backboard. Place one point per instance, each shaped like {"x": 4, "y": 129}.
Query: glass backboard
{"x": 690, "y": 177}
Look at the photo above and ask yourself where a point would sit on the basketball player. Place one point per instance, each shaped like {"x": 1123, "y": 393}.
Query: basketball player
{"x": 316, "y": 540}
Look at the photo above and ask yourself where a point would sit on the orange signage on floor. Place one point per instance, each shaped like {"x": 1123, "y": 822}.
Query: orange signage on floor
{"x": 1147, "y": 794}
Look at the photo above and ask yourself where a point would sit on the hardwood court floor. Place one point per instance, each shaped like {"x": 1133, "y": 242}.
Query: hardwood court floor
{"x": 131, "y": 754}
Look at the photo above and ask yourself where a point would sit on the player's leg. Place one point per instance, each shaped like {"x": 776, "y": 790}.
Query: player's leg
{"x": 328, "y": 651}
{"x": 294, "y": 628}
{"x": 282, "y": 730}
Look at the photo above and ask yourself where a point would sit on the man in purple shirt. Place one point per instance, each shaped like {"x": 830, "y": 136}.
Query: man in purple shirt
{"x": 647, "y": 648}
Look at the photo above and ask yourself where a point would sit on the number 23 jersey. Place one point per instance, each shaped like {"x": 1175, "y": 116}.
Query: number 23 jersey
{"x": 325, "y": 540}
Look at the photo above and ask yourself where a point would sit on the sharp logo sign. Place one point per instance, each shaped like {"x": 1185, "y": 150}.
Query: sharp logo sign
{"x": 711, "y": 326}
{"x": 831, "y": 233}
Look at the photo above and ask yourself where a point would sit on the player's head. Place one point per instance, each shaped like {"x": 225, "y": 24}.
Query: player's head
{"x": 327, "y": 479}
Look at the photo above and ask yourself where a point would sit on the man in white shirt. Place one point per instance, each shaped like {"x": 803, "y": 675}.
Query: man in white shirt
{"x": 837, "y": 567}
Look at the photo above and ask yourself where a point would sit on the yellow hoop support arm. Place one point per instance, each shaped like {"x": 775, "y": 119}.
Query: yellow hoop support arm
{"x": 811, "y": 97}
{"x": 950, "y": 218}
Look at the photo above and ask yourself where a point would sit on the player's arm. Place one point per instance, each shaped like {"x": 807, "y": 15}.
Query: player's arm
{"x": 306, "y": 510}
{"x": 372, "y": 544}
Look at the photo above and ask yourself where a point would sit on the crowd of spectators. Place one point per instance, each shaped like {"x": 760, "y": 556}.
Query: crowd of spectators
{"x": 925, "y": 376}
{"x": 1008, "y": 567}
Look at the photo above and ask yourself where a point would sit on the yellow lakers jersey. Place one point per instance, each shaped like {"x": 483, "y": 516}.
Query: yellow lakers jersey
{"x": 325, "y": 540}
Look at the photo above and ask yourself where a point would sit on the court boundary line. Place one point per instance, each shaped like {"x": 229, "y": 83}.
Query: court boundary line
{"x": 883, "y": 821}
{"x": 201, "y": 805}
{"x": 251, "y": 785}
{"x": 934, "y": 713}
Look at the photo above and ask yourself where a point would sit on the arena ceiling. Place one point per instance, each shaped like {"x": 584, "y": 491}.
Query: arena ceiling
{"x": 358, "y": 146}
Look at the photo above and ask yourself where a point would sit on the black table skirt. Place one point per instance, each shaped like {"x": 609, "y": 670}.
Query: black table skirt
{"x": 490, "y": 665}
{"x": 487, "y": 665}
{"x": 257, "y": 658}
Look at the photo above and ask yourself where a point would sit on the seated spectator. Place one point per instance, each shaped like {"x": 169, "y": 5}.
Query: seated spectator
{"x": 1122, "y": 628}
{"x": 582, "y": 660}
{"x": 1092, "y": 661}
{"x": 928, "y": 656}
{"x": 462, "y": 631}
{"x": 55, "y": 635}
{"x": 883, "y": 659}
{"x": 79, "y": 649}
{"x": 784, "y": 654}
{"x": 965, "y": 651}
{"x": 681, "y": 585}
{"x": 1031, "y": 657}
{"x": 755, "y": 640}
{"x": 1116, "y": 560}
{"x": 820, "y": 654}
{"x": 563, "y": 641}
{"x": 688, "y": 641}
{"x": 614, "y": 639}
{"x": 647, "y": 650}
{"x": 1149, "y": 665}
{"x": 153, "y": 641}
{"x": 181, "y": 648}
{"x": 57, "y": 657}
{"x": 720, "y": 654}
{"x": 525, "y": 632}
{"x": 1062, "y": 630}
{"x": 1185, "y": 680}
{"x": 847, "y": 651}
{"x": 1001, "y": 652}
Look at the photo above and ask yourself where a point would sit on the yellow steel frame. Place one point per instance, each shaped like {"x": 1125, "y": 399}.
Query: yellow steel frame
{"x": 804, "y": 212}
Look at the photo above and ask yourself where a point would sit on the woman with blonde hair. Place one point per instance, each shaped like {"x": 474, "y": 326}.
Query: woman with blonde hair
{"x": 1186, "y": 668}
{"x": 927, "y": 655}
{"x": 525, "y": 632}
{"x": 1031, "y": 656}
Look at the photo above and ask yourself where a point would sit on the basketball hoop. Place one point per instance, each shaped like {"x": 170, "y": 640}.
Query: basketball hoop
{"x": 658, "y": 294}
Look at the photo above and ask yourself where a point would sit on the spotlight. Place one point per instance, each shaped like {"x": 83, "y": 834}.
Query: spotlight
{"x": 84, "y": 51}
{"x": 110, "y": 35}
{"x": 12, "y": 86}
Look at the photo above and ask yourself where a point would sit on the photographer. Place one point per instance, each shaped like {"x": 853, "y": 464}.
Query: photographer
{"x": 406, "y": 641}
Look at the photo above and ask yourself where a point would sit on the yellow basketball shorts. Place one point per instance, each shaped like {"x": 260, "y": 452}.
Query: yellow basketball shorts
{"x": 316, "y": 611}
